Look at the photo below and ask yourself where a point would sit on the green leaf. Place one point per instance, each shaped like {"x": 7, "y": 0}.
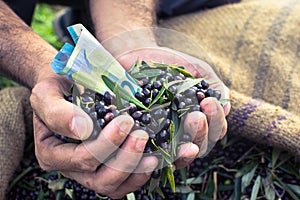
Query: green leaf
{"x": 144, "y": 64}
{"x": 130, "y": 196}
{"x": 237, "y": 188}
{"x": 183, "y": 189}
{"x": 59, "y": 195}
{"x": 247, "y": 178}
{"x": 162, "y": 65}
{"x": 134, "y": 68}
{"x": 194, "y": 180}
{"x": 157, "y": 106}
{"x": 123, "y": 93}
{"x": 269, "y": 191}
{"x": 170, "y": 94}
{"x": 75, "y": 90}
{"x": 169, "y": 84}
{"x": 19, "y": 177}
{"x": 161, "y": 92}
{"x": 119, "y": 103}
{"x": 275, "y": 155}
{"x": 160, "y": 192}
{"x": 41, "y": 194}
{"x": 166, "y": 155}
{"x": 191, "y": 196}
{"x": 283, "y": 161}
{"x": 70, "y": 192}
{"x": 154, "y": 183}
{"x": 290, "y": 169}
{"x": 146, "y": 73}
{"x": 284, "y": 186}
{"x": 175, "y": 120}
{"x": 246, "y": 168}
{"x": 187, "y": 84}
{"x": 182, "y": 71}
{"x": 164, "y": 176}
{"x": 171, "y": 178}
{"x": 255, "y": 188}
{"x": 209, "y": 189}
{"x": 294, "y": 188}
{"x": 173, "y": 140}
{"x": 56, "y": 185}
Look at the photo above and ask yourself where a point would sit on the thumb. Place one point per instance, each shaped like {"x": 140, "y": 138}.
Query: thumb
{"x": 59, "y": 115}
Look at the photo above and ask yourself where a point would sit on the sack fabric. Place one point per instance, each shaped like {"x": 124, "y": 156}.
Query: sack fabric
{"x": 15, "y": 122}
{"x": 255, "y": 47}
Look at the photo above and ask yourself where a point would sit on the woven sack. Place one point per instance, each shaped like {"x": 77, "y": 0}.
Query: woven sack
{"x": 15, "y": 122}
{"x": 255, "y": 46}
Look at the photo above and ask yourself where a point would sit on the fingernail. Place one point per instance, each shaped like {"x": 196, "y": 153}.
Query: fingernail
{"x": 141, "y": 140}
{"x": 209, "y": 106}
{"x": 82, "y": 126}
{"x": 125, "y": 124}
{"x": 151, "y": 163}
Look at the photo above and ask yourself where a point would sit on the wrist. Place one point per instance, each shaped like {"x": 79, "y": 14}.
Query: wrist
{"x": 112, "y": 18}
{"x": 130, "y": 41}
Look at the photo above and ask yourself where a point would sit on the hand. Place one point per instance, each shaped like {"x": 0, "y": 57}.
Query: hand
{"x": 122, "y": 173}
{"x": 205, "y": 127}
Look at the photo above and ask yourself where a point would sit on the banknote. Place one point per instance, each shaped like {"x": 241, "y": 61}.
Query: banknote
{"x": 92, "y": 66}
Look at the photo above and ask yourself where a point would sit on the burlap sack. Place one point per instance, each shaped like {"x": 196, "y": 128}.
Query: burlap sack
{"x": 255, "y": 45}
{"x": 15, "y": 121}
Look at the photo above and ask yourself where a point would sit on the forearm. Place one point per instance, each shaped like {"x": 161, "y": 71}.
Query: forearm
{"x": 111, "y": 17}
{"x": 24, "y": 56}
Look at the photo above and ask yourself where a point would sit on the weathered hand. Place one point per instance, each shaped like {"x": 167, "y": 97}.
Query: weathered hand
{"x": 205, "y": 127}
{"x": 112, "y": 164}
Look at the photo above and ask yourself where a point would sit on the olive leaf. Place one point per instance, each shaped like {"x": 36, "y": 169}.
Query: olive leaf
{"x": 182, "y": 71}
{"x": 154, "y": 183}
{"x": 146, "y": 73}
{"x": 191, "y": 196}
{"x": 284, "y": 186}
{"x": 119, "y": 102}
{"x": 42, "y": 194}
{"x": 255, "y": 188}
{"x": 123, "y": 93}
{"x": 165, "y": 155}
{"x": 171, "y": 178}
{"x": 130, "y": 196}
{"x": 144, "y": 64}
{"x": 162, "y": 65}
{"x": 70, "y": 192}
{"x": 187, "y": 84}
{"x": 268, "y": 190}
{"x": 172, "y": 140}
{"x": 247, "y": 177}
{"x": 183, "y": 189}
{"x": 135, "y": 67}
{"x": 58, "y": 184}
{"x": 161, "y": 92}
{"x": 160, "y": 192}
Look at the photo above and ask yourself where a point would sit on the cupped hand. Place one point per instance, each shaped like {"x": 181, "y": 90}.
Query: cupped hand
{"x": 112, "y": 164}
{"x": 205, "y": 127}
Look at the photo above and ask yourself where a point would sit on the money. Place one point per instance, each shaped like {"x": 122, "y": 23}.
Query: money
{"x": 88, "y": 62}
